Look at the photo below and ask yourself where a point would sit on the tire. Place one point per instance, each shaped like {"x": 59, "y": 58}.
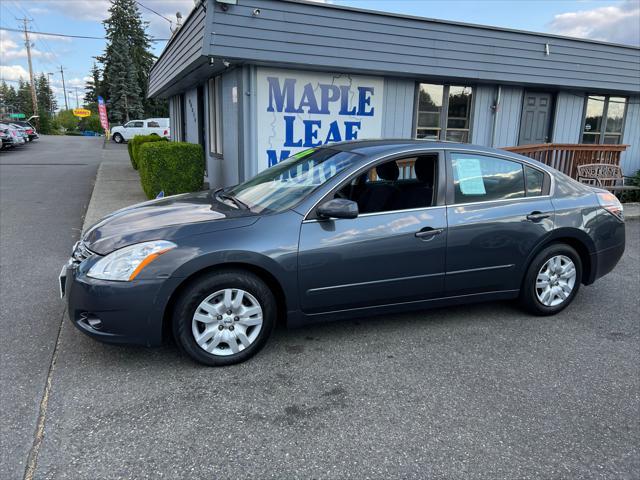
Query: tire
{"x": 207, "y": 298}
{"x": 552, "y": 269}
{"x": 118, "y": 138}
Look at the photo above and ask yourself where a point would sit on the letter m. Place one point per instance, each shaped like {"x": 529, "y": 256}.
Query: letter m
{"x": 279, "y": 95}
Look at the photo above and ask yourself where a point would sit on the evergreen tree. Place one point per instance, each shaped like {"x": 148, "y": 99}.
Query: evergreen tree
{"x": 46, "y": 99}
{"x": 126, "y": 61}
{"x": 93, "y": 89}
{"x": 8, "y": 98}
{"x": 23, "y": 101}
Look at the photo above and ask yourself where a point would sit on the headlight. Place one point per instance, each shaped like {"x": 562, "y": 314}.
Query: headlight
{"x": 125, "y": 264}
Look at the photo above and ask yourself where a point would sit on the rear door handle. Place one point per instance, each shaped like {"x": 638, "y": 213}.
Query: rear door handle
{"x": 428, "y": 232}
{"x": 537, "y": 216}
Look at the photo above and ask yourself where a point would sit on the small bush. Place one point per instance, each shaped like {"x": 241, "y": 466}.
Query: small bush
{"x": 632, "y": 195}
{"x": 172, "y": 167}
{"x": 134, "y": 145}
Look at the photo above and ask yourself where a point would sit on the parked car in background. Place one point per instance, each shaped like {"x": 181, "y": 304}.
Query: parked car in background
{"x": 349, "y": 229}
{"x": 29, "y": 129}
{"x": 22, "y": 131}
{"x": 150, "y": 126}
{"x": 13, "y": 136}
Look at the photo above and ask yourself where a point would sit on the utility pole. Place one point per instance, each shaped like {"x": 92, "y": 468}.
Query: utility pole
{"x": 34, "y": 98}
{"x": 66, "y": 104}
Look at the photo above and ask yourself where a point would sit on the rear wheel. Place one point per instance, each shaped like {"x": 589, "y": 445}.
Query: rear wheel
{"x": 224, "y": 318}
{"x": 118, "y": 138}
{"x": 552, "y": 280}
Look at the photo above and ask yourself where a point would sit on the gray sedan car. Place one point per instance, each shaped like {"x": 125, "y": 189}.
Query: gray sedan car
{"x": 349, "y": 229}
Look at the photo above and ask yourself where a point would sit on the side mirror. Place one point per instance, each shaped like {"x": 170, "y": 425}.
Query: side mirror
{"x": 338, "y": 208}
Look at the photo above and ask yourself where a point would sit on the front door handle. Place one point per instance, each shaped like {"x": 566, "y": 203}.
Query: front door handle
{"x": 428, "y": 232}
{"x": 537, "y": 216}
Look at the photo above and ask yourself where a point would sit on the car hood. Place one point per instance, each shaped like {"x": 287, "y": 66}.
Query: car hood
{"x": 167, "y": 218}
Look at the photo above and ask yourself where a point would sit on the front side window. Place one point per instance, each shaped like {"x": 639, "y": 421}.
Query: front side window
{"x": 604, "y": 119}
{"x": 402, "y": 184}
{"x": 285, "y": 184}
{"x": 477, "y": 178}
{"x": 135, "y": 124}
{"x": 444, "y": 112}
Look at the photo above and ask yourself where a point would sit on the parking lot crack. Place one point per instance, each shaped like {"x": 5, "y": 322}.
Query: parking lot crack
{"x": 32, "y": 459}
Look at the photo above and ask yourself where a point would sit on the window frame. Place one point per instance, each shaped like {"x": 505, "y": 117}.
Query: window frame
{"x": 440, "y": 185}
{"x": 450, "y": 189}
{"x": 214, "y": 115}
{"x": 444, "y": 113}
{"x": 605, "y": 114}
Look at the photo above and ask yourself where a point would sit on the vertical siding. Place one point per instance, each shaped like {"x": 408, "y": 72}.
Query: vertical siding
{"x": 482, "y": 121}
{"x": 398, "y": 108}
{"x": 567, "y": 121}
{"x": 191, "y": 115}
{"x": 630, "y": 161}
{"x": 508, "y": 121}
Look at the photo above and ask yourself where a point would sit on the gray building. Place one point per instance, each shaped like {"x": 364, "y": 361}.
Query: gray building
{"x": 256, "y": 80}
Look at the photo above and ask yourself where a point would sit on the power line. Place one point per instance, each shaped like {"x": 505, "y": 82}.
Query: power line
{"x": 87, "y": 37}
{"x": 153, "y": 11}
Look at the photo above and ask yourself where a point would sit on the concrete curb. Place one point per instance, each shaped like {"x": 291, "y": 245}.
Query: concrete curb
{"x": 117, "y": 185}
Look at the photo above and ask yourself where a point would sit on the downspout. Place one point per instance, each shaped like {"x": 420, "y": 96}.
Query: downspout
{"x": 496, "y": 108}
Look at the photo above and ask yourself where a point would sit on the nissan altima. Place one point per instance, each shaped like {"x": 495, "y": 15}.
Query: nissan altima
{"x": 349, "y": 229}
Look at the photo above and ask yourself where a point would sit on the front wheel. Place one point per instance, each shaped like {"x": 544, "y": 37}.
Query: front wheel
{"x": 118, "y": 138}
{"x": 224, "y": 318}
{"x": 552, "y": 280}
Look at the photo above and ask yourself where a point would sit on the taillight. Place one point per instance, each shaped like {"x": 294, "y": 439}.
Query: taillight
{"x": 166, "y": 132}
{"x": 611, "y": 204}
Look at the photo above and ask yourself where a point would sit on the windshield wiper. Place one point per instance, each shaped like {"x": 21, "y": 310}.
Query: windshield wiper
{"x": 222, "y": 194}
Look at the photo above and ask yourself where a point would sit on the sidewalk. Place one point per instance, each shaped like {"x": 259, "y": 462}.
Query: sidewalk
{"x": 117, "y": 186}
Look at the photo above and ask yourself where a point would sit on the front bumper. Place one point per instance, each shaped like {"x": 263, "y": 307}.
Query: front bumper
{"x": 115, "y": 312}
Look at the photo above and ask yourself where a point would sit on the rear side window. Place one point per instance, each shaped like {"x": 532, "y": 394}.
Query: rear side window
{"x": 153, "y": 124}
{"x": 534, "y": 180}
{"x": 478, "y": 178}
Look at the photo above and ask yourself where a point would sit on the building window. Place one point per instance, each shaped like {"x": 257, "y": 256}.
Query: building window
{"x": 215, "y": 117}
{"x": 604, "y": 119}
{"x": 177, "y": 111}
{"x": 444, "y": 112}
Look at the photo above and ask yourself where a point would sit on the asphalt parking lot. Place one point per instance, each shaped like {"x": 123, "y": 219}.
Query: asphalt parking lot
{"x": 474, "y": 392}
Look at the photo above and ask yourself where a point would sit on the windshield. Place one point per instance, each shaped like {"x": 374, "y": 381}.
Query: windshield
{"x": 285, "y": 184}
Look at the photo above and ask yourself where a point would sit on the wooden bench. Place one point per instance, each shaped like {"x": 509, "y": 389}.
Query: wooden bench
{"x": 603, "y": 175}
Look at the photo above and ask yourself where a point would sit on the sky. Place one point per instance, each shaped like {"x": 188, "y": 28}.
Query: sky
{"x": 608, "y": 20}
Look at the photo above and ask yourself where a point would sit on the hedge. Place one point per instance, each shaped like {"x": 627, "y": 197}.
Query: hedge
{"x": 134, "y": 145}
{"x": 170, "y": 167}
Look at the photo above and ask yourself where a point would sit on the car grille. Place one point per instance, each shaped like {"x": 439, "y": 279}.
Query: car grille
{"x": 80, "y": 252}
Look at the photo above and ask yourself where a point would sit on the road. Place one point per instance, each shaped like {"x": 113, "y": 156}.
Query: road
{"x": 474, "y": 392}
{"x": 45, "y": 187}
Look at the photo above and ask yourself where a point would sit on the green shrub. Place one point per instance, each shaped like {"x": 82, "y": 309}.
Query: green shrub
{"x": 632, "y": 195}
{"x": 134, "y": 145}
{"x": 171, "y": 167}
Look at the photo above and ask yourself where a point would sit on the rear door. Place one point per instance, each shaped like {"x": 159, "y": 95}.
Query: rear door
{"x": 498, "y": 209}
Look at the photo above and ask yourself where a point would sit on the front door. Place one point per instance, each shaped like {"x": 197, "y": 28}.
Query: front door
{"x": 393, "y": 252}
{"x": 535, "y": 123}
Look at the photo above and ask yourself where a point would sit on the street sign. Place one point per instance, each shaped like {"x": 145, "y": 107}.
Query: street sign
{"x": 81, "y": 112}
{"x": 17, "y": 115}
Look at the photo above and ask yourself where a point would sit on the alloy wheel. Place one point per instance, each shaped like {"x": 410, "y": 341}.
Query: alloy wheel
{"x": 227, "y": 322}
{"x": 556, "y": 280}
